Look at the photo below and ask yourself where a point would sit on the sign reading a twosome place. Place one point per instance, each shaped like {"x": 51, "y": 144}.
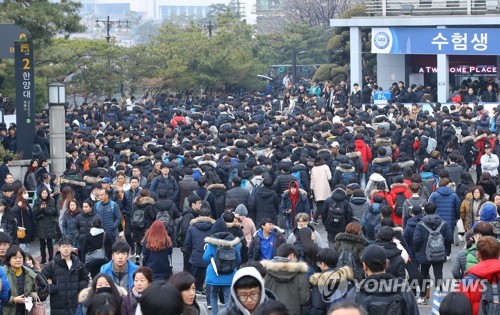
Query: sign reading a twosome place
{"x": 25, "y": 97}
{"x": 423, "y": 41}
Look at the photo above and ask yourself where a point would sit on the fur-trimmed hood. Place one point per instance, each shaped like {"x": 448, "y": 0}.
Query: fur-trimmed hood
{"x": 480, "y": 137}
{"x": 201, "y": 219}
{"x": 283, "y": 265}
{"x": 72, "y": 182}
{"x": 380, "y": 160}
{"x": 404, "y": 164}
{"x": 84, "y": 294}
{"x": 397, "y": 185}
{"x": 345, "y": 168}
{"x": 142, "y": 159}
{"x": 351, "y": 238}
{"x": 222, "y": 239}
{"x": 144, "y": 201}
{"x": 209, "y": 163}
{"x": 352, "y": 155}
{"x": 332, "y": 276}
{"x": 91, "y": 179}
{"x": 467, "y": 139}
{"x": 216, "y": 186}
{"x": 231, "y": 225}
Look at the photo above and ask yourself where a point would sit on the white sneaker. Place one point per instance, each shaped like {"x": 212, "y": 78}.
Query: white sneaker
{"x": 209, "y": 307}
{"x": 422, "y": 301}
{"x": 448, "y": 258}
{"x": 461, "y": 237}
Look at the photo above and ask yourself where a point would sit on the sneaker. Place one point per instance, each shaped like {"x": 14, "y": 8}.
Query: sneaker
{"x": 448, "y": 258}
{"x": 422, "y": 301}
{"x": 313, "y": 222}
{"x": 209, "y": 307}
{"x": 201, "y": 292}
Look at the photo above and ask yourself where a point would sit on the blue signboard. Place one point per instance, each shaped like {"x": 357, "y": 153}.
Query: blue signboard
{"x": 449, "y": 41}
{"x": 381, "y": 97}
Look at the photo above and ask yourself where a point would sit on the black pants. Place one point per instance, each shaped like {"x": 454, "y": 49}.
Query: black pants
{"x": 319, "y": 205}
{"x": 187, "y": 265}
{"x": 46, "y": 243}
{"x": 437, "y": 269}
{"x": 199, "y": 274}
{"x": 128, "y": 235}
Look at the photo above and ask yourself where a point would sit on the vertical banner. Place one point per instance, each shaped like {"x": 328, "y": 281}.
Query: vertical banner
{"x": 25, "y": 97}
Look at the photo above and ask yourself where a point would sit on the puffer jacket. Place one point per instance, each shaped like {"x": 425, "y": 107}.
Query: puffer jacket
{"x": 240, "y": 194}
{"x": 338, "y": 195}
{"x": 355, "y": 244}
{"x": 288, "y": 280}
{"x": 396, "y": 262}
{"x": 366, "y": 153}
{"x": 169, "y": 184}
{"x": 128, "y": 202}
{"x": 395, "y": 190}
{"x": 213, "y": 243}
{"x": 448, "y": 205}
{"x": 342, "y": 169}
{"x": 46, "y": 219}
{"x": 421, "y": 235}
{"x": 266, "y": 204}
{"x": 194, "y": 244}
{"x": 68, "y": 226}
{"x": 381, "y": 165}
{"x": 282, "y": 181}
{"x": 66, "y": 283}
{"x": 82, "y": 224}
{"x": 110, "y": 215}
{"x": 254, "y": 249}
{"x": 409, "y": 231}
{"x": 359, "y": 206}
{"x": 340, "y": 279}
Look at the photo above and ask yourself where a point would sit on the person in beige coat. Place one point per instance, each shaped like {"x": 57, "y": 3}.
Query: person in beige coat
{"x": 320, "y": 183}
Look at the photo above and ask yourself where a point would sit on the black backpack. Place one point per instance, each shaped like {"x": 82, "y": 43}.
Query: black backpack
{"x": 490, "y": 299}
{"x": 399, "y": 202}
{"x": 220, "y": 201}
{"x": 336, "y": 214}
{"x": 138, "y": 219}
{"x": 372, "y": 219}
{"x": 393, "y": 304}
{"x": 164, "y": 217}
{"x": 225, "y": 260}
{"x": 347, "y": 258}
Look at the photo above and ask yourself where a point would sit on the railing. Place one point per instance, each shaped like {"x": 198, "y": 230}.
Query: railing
{"x": 431, "y": 7}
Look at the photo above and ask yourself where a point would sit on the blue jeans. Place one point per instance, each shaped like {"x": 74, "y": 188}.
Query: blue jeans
{"x": 214, "y": 297}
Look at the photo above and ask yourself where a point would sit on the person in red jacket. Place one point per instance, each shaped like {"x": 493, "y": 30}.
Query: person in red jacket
{"x": 480, "y": 140}
{"x": 488, "y": 267}
{"x": 366, "y": 156}
{"x": 178, "y": 118}
{"x": 399, "y": 187}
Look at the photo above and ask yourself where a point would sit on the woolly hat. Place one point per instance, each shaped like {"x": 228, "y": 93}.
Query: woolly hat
{"x": 241, "y": 210}
{"x": 219, "y": 226}
{"x": 488, "y": 213}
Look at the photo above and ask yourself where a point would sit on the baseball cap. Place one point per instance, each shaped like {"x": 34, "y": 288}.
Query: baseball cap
{"x": 487, "y": 146}
{"x": 374, "y": 257}
{"x": 335, "y": 144}
{"x": 106, "y": 180}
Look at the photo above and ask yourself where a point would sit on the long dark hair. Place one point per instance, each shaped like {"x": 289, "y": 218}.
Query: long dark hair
{"x": 114, "y": 290}
{"x": 309, "y": 248}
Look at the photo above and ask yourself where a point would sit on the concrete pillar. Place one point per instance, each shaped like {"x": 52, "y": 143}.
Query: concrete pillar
{"x": 356, "y": 55}
{"x": 443, "y": 76}
{"x": 57, "y": 138}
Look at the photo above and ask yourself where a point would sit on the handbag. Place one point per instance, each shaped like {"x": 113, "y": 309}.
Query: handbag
{"x": 98, "y": 254}
{"x": 21, "y": 231}
{"x": 38, "y": 307}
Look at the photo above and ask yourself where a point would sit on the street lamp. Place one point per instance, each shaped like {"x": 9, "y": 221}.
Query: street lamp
{"x": 108, "y": 24}
{"x": 210, "y": 27}
{"x": 57, "y": 99}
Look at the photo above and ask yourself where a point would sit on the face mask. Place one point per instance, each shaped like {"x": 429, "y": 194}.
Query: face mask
{"x": 25, "y": 196}
{"x": 103, "y": 290}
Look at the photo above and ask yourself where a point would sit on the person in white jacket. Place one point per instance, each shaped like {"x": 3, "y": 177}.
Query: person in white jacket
{"x": 489, "y": 162}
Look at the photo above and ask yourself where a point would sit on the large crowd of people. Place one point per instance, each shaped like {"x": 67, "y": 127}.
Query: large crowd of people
{"x": 240, "y": 185}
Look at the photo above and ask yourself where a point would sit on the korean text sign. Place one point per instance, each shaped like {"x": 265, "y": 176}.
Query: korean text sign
{"x": 449, "y": 41}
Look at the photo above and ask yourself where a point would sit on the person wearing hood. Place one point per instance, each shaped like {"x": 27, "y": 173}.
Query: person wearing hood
{"x": 381, "y": 290}
{"x": 293, "y": 201}
{"x": 96, "y": 238}
{"x": 448, "y": 204}
{"x": 66, "y": 276}
{"x": 488, "y": 268}
{"x": 359, "y": 204}
{"x": 194, "y": 246}
{"x": 353, "y": 241}
{"x": 217, "y": 276}
{"x": 432, "y": 220}
{"x": 415, "y": 216}
{"x": 265, "y": 241}
{"x": 385, "y": 239}
{"x": 287, "y": 278}
{"x": 373, "y": 185}
{"x": 336, "y": 213}
{"x": 247, "y": 292}
{"x": 329, "y": 277}
{"x": 266, "y": 203}
{"x": 383, "y": 163}
{"x": 366, "y": 156}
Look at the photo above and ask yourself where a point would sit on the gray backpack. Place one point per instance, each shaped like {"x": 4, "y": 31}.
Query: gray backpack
{"x": 435, "y": 250}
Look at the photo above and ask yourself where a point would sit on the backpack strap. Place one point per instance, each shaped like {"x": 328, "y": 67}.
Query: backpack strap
{"x": 431, "y": 230}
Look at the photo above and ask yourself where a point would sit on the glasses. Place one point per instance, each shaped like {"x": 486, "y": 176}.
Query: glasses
{"x": 245, "y": 297}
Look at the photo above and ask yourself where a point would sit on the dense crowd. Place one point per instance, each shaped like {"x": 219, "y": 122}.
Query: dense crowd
{"x": 240, "y": 185}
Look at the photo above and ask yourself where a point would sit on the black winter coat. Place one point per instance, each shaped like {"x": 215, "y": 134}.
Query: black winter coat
{"x": 254, "y": 247}
{"x": 282, "y": 182}
{"x": 169, "y": 206}
{"x": 128, "y": 202}
{"x": 28, "y": 221}
{"x": 266, "y": 204}
{"x": 421, "y": 235}
{"x": 338, "y": 195}
{"x": 82, "y": 224}
{"x": 46, "y": 219}
{"x": 66, "y": 284}
{"x": 305, "y": 179}
{"x": 194, "y": 245}
{"x": 406, "y": 145}
{"x": 145, "y": 204}
{"x": 396, "y": 262}
{"x": 238, "y": 193}
{"x": 328, "y": 279}
{"x": 9, "y": 225}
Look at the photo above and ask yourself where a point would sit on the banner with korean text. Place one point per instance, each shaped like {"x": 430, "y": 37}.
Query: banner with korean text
{"x": 25, "y": 97}
{"x": 422, "y": 41}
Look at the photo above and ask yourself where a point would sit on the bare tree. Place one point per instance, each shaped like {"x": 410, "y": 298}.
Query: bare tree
{"x": 315, "y": 12}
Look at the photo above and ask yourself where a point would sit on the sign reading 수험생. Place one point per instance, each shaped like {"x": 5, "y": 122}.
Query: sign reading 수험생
{"x": 449, "y": 41}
